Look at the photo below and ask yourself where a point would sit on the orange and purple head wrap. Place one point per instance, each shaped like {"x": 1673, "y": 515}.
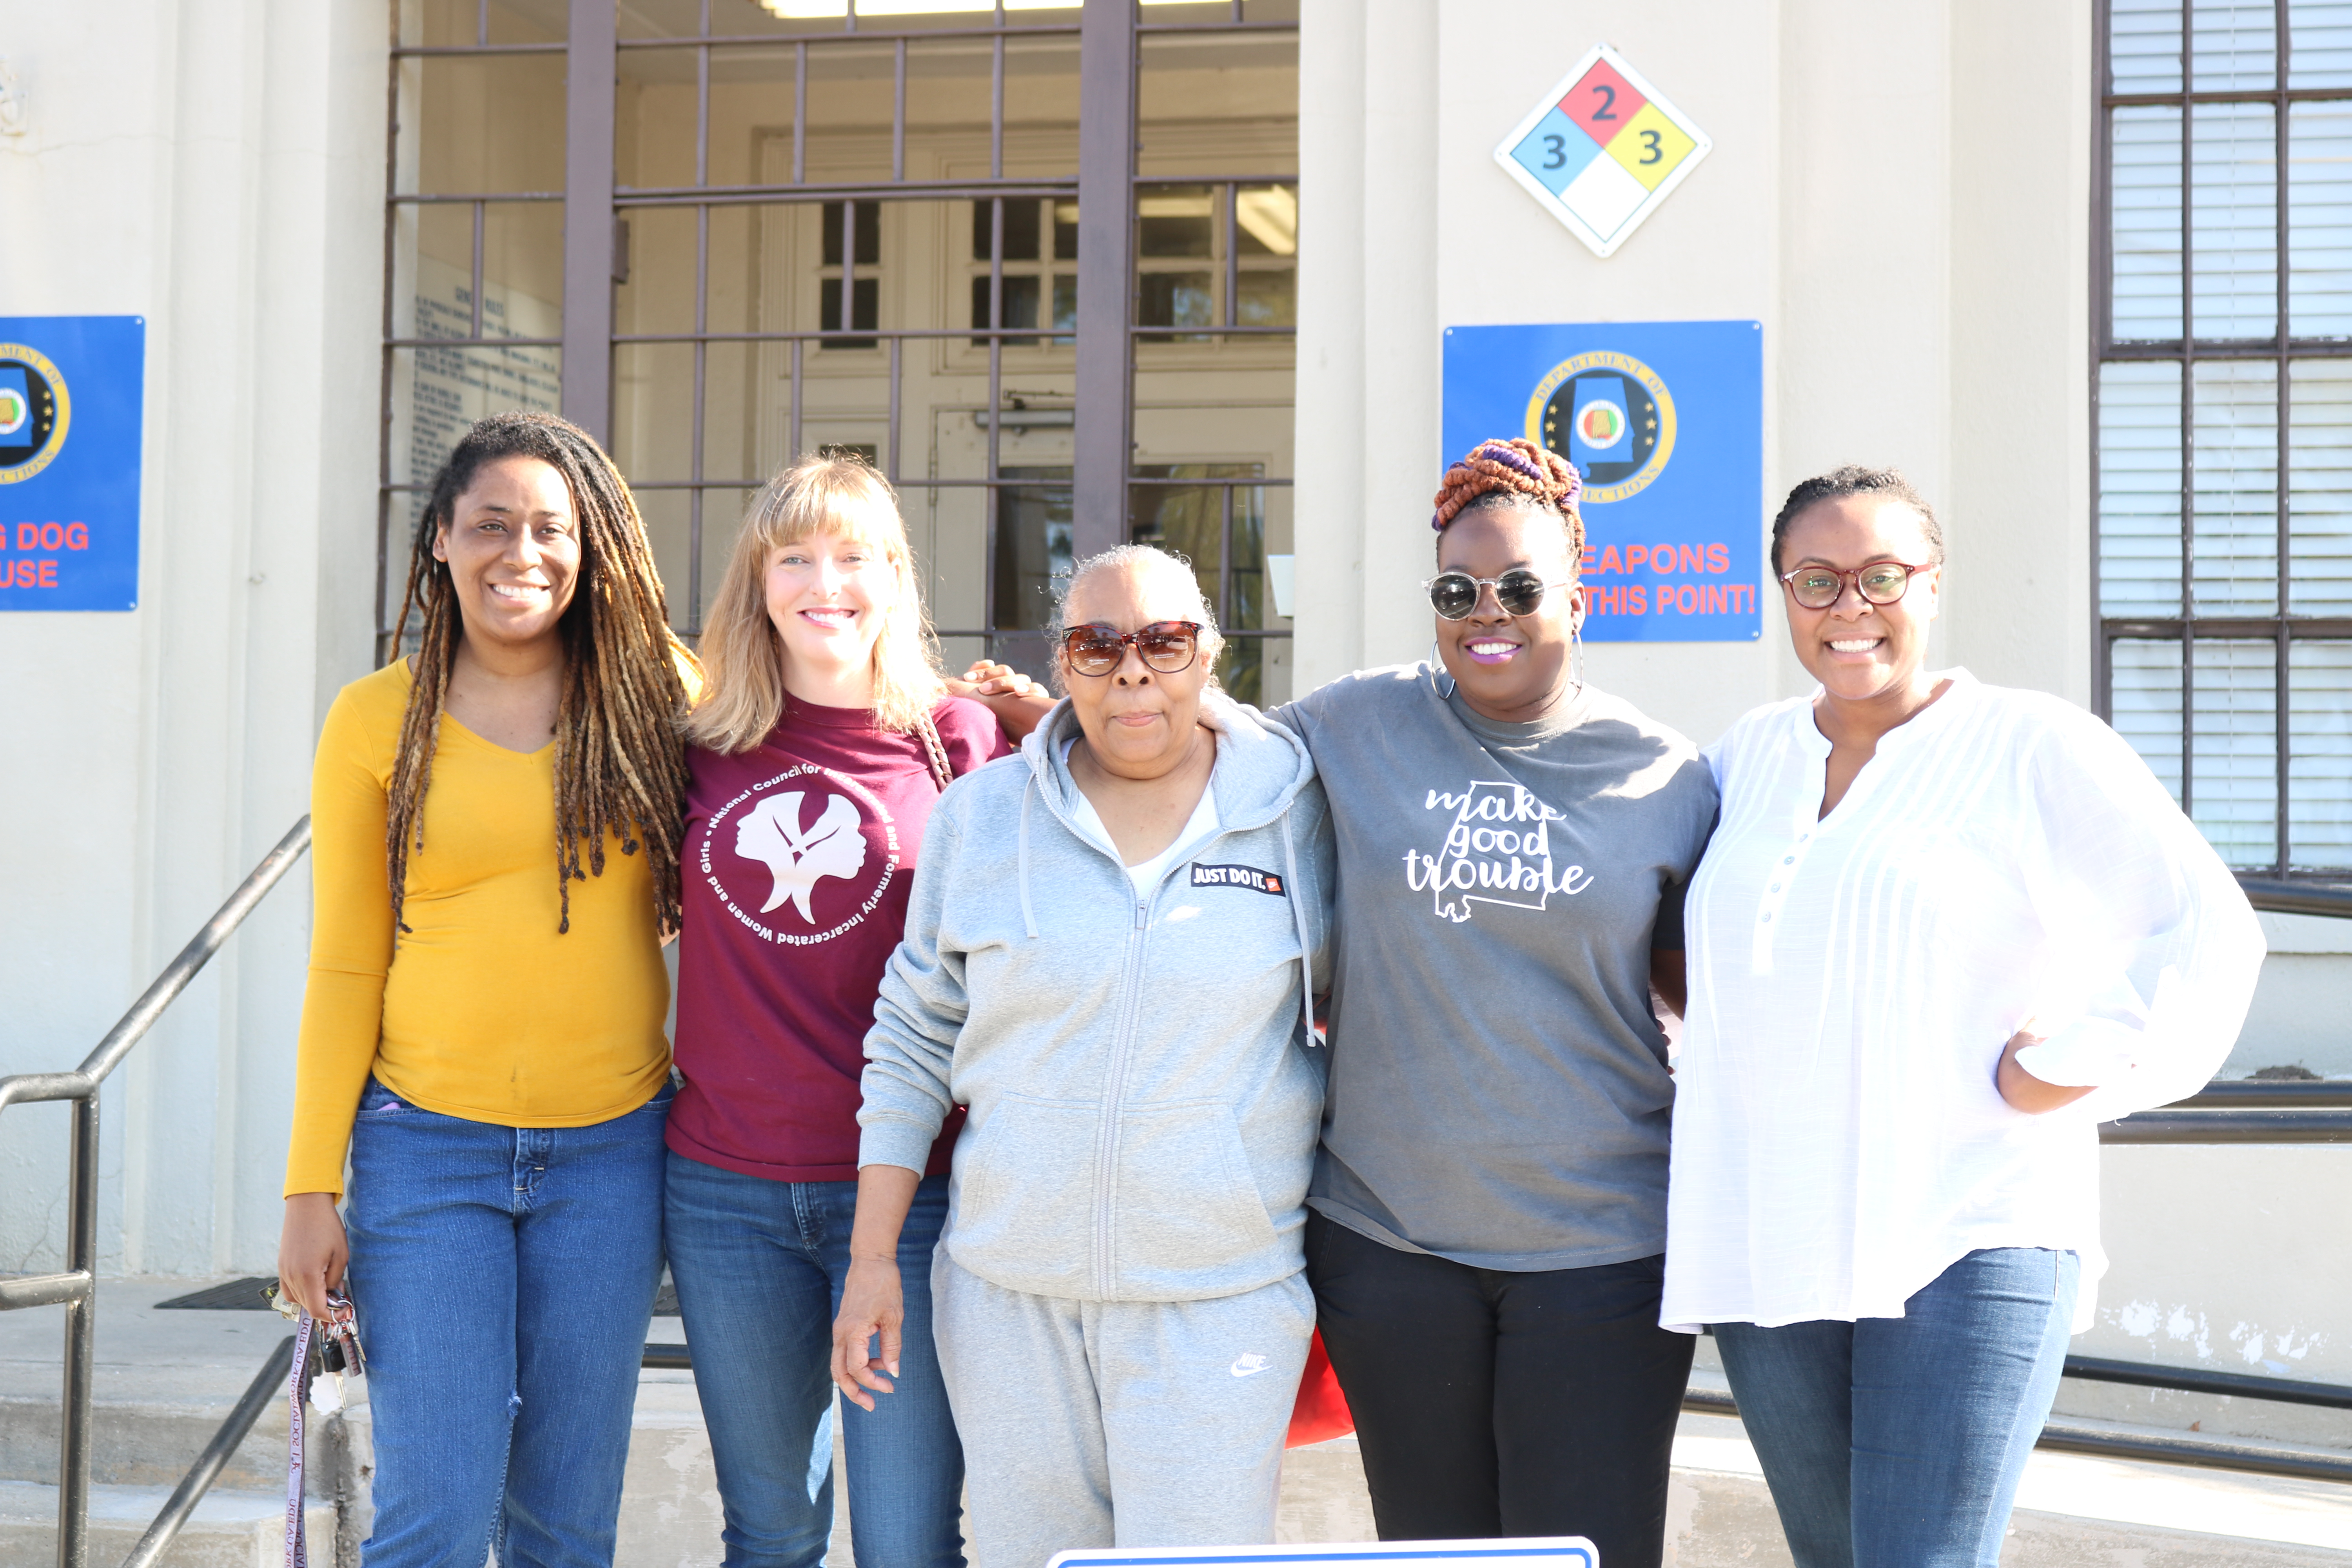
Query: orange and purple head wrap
{"x": 1518, "y": 467}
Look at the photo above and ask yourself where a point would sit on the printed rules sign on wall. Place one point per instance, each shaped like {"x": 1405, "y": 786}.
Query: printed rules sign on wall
{"x": 71, "y": 402}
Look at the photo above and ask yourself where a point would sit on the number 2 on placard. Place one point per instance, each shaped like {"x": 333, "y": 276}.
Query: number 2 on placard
{"x": 1555, "y": 152}
{"x": 1650, "y": 141}
{"x": 1608, "y": 110}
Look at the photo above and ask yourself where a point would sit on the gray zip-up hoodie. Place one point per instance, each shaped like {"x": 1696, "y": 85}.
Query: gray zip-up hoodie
{"x": 1144, "y": 1084}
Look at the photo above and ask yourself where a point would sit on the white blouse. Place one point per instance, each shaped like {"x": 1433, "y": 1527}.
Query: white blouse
{"x": 2003, "y": 858}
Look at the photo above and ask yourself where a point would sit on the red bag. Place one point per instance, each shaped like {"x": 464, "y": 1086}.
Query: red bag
{"x": 1321, "y": 1413}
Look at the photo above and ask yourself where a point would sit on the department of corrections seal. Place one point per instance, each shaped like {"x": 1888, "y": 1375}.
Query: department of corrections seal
{"x": 35, "y": 412}
{"x": 1624, "y": 410}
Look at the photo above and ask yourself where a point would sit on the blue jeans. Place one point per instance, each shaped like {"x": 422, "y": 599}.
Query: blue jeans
{"x": 1898, "y": 1442}
{"x": 504, "y": 1278}
{"x": 759, "y": 1267}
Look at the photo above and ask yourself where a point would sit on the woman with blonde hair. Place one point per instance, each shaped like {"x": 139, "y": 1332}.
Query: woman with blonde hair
{"x": 822, "y": 743}
{"x": 494, "y": 856}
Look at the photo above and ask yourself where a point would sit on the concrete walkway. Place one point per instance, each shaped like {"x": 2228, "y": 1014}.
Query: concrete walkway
{"x": 165, "y": 1379}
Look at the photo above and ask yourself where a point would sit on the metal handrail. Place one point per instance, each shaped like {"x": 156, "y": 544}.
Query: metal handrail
{"x": 273, "y": 1376}
{"x": 2169, "y": 1126}
{"x": 2197, "y": 1380}
{"x": 2269, "y": 1094}
{"x": 2245, "y": 1111}
{"x": 77, "y": 1285}
{"x": 2289, "y": 898}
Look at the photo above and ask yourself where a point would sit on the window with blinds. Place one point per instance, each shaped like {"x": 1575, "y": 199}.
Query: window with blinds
{"x": 2224, "y": 423}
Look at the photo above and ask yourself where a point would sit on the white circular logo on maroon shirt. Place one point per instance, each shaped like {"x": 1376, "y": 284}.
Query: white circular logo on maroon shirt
{"x": 791, "y": 835}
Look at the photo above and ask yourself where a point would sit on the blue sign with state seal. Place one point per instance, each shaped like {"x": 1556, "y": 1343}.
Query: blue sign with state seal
{"x": 1664, "y": 421}
{"x": 72, "y": 401}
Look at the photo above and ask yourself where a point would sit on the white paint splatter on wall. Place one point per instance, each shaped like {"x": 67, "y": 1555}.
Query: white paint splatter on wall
{"x": 2273, "y": 1349}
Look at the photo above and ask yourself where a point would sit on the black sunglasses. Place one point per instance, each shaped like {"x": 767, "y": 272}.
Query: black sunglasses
{"x": 1455, "y": 594}
{"x": 1168, "y": 646}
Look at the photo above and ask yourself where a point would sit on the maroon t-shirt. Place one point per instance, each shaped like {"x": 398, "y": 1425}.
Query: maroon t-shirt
{"x": 798, "y": 858}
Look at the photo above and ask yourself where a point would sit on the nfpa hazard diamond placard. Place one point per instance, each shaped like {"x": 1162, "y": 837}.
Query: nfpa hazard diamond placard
{"x": 1602, "y": 150}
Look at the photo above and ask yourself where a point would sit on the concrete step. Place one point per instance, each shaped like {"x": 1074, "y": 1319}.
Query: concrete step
{"x": 229, "y": 1529}
{"x": 165, "y": 1381}
{"x": 142, "y": 1443}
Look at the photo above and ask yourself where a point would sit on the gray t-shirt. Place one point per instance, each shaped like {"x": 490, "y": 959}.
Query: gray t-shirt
{"x": 1499, "y": 1093}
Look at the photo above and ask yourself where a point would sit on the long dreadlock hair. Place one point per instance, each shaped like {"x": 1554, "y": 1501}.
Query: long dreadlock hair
{"x": 620, "y": 763}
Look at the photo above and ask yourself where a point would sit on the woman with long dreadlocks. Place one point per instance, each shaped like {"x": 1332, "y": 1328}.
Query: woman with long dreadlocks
{"x": 495, "y": 855}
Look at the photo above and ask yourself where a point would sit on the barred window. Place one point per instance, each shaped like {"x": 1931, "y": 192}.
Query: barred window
{"x": 2223, "y": 532}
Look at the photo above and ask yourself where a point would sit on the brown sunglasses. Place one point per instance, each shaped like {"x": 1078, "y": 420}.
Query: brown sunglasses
{"x": 1168, "y": 646}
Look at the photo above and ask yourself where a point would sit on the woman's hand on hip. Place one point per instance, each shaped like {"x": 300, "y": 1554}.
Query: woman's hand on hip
{"x": 2023, "y": 1089}
{"x": 872, "y": 1303}
{"x": 311, "y": 1251}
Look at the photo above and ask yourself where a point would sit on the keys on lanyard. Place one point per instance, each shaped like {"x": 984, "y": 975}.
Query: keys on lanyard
{"x": 339, "y": 1354}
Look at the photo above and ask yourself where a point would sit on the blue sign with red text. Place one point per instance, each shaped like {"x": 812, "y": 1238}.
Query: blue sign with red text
{"x": 1665, "y": 422}
{"x": 71, "y": 402}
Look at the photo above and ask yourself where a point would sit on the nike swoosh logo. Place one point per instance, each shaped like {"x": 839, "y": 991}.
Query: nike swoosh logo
{"x": 1248, "y": 1365}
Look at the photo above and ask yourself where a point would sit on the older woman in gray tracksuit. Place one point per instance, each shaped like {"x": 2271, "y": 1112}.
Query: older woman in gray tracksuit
{"x": 1110, "y": 958}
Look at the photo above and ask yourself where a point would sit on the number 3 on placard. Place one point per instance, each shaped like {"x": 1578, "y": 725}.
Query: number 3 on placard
{"x": 1555, "y": 152}
{"x": 1650, "y": 141}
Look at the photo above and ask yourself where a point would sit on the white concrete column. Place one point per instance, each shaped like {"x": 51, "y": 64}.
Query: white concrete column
{"x": 216, "y": 167}
{"x": 2017, "y": 503}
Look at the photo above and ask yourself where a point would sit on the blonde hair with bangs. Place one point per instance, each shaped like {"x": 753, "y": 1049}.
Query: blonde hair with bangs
{"x": 742, "y": 655}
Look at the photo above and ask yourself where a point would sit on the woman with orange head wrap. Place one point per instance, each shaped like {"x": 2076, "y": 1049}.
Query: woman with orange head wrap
{"x": 1488, "y": 1210}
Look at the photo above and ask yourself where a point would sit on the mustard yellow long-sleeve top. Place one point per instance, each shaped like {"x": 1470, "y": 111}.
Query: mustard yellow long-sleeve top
{"x": 481, "y": 1011}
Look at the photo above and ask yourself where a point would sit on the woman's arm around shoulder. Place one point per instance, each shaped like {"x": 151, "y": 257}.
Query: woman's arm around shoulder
{"x": 1019, "y": 702}
{"x": 975, "y": 734}
{"x": 1318, "y": 849}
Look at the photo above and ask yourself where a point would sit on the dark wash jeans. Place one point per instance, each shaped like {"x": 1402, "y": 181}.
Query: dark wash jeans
{"x": 1900, "y": 1440}
{"x": 504, "y": 1278}
{"x": 1494, "y": 1404}
{"x": 759, "y": 1267}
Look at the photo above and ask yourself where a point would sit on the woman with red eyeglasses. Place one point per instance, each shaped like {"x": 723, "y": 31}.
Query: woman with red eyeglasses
{"x": 1108, "y": 958}
{"x": 1943, "y": 930}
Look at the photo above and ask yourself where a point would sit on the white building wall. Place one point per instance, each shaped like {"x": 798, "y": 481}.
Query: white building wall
{"x": 1901, "y": 195}
{"x": 216, "y": 168}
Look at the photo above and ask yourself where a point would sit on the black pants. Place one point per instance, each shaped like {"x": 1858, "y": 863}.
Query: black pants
{"x": 1492, "y": 1404}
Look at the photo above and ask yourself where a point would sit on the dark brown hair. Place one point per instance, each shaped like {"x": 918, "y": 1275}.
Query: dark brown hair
{"x": 1516, "y": 472}
{"x": 1854, "y": 480}
{"x": 620, "y": 763}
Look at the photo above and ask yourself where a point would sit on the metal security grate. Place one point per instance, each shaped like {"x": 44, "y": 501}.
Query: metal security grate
{"x": 1036, "y": 262}
{"x": 2222, "y": 403}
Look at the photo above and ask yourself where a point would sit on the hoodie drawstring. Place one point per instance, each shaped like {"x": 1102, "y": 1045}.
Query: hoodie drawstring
{"x": 1305, "y": 950}
{"x": 1028, "y": 918}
